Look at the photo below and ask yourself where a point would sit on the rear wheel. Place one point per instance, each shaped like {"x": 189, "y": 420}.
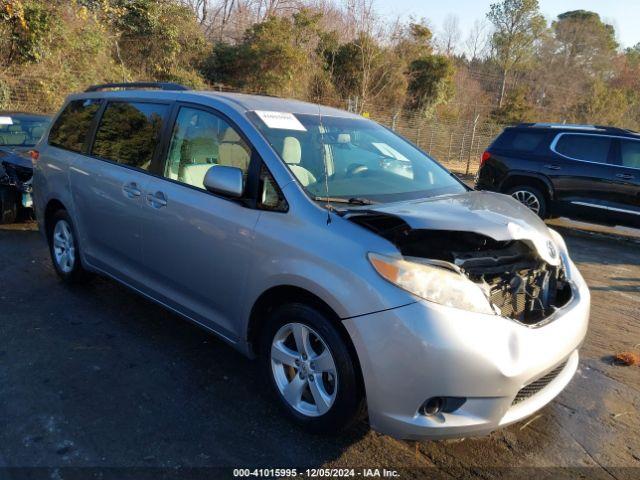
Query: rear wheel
{"x": 63, "y": 247}
{"x": 8, "y": 205}
{"x": 531, "y": 198}
{"x": 310, "y": 370}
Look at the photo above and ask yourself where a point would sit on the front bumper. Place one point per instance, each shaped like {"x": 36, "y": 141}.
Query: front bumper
{"x": 423, "y": 350}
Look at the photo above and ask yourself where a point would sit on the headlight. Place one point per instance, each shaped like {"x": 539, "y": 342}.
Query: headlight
{"x": 433, "y": 283}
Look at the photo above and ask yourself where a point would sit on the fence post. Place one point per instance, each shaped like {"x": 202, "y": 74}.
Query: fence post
{"x": 433, "y": 126}
{"x": 473, "y": 137}
{"x": 393, "y": 121}
{"x": 450, "y": 144}
{"x": 464, "y": 138}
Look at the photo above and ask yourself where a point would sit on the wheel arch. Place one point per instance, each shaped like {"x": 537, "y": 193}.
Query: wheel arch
{"x": 53, "y": 206}
{"x": 282, "y": 294}
{"x": 531, "y": 179}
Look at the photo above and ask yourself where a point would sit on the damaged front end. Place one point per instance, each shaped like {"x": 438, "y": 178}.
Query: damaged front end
{"x": 516, "y": 280}
{"x": 18, "y": 178}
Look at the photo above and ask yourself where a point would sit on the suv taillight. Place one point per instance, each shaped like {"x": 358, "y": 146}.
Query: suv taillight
{"x": 35, "y": 155}
{"x": 485, "y": 156}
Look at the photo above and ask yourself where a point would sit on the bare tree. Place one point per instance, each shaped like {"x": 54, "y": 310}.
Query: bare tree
{"x": 477, "y": 42}
{"x": 450, "y": 35}
{"x": 200, "y": 8}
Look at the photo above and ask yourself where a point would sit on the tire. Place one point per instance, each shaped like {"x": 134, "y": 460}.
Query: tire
{"x": 342, "y": 401}
{"x": 8, "y": 205}
{"x": 63, "y": 240}
{"x": 531, "y": 198}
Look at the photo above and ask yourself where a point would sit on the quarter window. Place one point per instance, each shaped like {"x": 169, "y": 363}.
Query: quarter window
{"x": 519, "y": 140}
{"x": 271, "y": 198}
{"x": 630, "y": 153}
{"x": 128, "y": 133}
{"x": 72, "y": 126}
{"x": 589, "y": 148}
{"x": 527, "y": 142}
{"x": 200, "y": 141}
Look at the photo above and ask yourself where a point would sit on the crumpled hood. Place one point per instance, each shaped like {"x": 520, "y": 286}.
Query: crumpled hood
{"x": 497, "y": 216}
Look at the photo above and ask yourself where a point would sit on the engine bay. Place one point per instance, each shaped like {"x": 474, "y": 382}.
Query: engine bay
{"x": 517, "y": 282}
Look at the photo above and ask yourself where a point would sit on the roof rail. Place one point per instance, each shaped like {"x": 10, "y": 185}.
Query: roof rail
{"x": 618, "y": 130}
{"x": 573, "y": 126}
{"x": 137, "y": 85}
{"x": 568, "y": 125}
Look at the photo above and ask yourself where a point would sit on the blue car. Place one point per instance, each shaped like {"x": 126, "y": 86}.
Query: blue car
{"x": 19, "y": 132}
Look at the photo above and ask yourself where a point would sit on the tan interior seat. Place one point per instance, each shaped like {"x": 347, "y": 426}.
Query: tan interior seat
{"x": 193, "y": 174}
{"x": 292, "y": 156}
{"x": 200, "y": 146}
{"x": 231, "y": 152}
{"x": 14, "y": 136}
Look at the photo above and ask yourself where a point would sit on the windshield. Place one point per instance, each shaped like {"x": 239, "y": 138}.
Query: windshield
{"x": 364, "y": 162}
{"x": 21, "y": 130}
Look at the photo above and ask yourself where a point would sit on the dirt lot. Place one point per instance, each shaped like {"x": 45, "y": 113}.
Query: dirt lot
{"x": 98, "y": 377}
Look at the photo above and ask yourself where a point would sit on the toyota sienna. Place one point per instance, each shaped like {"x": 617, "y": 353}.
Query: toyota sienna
{"x": 362, "y": 273}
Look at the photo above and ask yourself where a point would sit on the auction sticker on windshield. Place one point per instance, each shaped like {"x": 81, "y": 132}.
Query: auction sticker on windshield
{"x": 280, "y": 120}
{"x": 6, "y": 121}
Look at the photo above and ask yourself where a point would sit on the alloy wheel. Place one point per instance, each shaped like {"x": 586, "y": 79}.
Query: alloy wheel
{"x": 304, "y": 369}
{"x": 528, "y": 199}
{"x": 64, "y": 250}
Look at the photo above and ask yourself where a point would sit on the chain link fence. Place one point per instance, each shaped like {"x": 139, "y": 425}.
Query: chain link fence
{"x": 458, "y": 144}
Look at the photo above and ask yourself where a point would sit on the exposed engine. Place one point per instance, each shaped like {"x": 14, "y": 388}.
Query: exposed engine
{"x": 16, "y": 176}
{"x": 519, "y": 284}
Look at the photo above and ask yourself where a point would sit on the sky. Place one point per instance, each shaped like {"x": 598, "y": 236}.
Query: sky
{"x": 624, "y": 15}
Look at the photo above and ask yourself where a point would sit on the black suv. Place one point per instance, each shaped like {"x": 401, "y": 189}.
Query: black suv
{"x": 577, "y": 171}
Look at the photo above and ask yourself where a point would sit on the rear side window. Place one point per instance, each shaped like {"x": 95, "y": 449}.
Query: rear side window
{"x": 589, "y": 148}
{"x": 630, "y": 153}
{"x": 519, "y": 141}
{"x": 128, "y": 133}
{"x": 72, "y": 126}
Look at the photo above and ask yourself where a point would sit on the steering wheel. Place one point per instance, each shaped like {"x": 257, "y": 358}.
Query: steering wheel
{"x": 356, "y": 169}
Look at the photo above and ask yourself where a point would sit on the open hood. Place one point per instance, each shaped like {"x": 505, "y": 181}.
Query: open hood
{"x": 493, "y": 215}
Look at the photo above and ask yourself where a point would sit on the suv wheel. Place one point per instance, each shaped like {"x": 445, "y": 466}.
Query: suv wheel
{"x": 531, "y": 198}
{"x": 63, "y": 247}
{"x": 310, "y": 369}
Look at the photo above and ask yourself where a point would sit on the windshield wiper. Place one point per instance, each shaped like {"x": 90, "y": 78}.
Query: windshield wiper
{"x": 350, "y": 201}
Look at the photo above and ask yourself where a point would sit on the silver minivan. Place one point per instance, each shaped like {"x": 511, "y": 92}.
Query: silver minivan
{"x": 363, "y": 274}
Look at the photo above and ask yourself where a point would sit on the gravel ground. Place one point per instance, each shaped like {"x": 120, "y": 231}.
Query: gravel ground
{"x": 96, "y": 376}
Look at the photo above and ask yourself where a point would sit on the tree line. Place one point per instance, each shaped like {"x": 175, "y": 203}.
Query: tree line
{"x": 513, "y": 65}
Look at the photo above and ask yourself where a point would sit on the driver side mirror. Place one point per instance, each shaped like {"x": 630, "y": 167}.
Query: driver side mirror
{"x": 223, "y": 180}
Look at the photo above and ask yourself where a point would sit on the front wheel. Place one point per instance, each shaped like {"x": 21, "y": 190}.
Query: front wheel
{"x": 310, "y": 370}
{"x": 531, "y": 198}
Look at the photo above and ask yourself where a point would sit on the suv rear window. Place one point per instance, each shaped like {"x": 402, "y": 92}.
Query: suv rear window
{"x": 128, "y": 133}
{"x": 72, "y": 126}
{"x": 519, "y": 141}
{"x": 589, "y": 148}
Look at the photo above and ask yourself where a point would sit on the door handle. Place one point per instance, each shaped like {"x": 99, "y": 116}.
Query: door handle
{"x": 625, "y": 176}
{"x": 157, "y": 200}
{"x": 553, "y": 167}
{"x": 131, "y": 190}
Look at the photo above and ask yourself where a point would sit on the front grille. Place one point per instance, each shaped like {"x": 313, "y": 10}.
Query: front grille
{"x": 536, "y": 386}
